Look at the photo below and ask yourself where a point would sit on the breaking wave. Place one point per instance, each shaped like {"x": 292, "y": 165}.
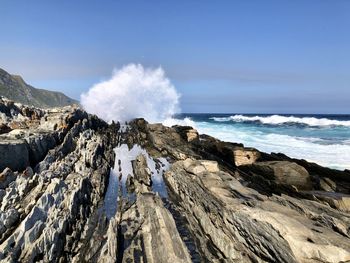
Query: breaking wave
{"x": 133, "y": 92}
{"x": 331, "y": 155}
{"x": 278, "y": 120}
{"x": 182, "y": 122}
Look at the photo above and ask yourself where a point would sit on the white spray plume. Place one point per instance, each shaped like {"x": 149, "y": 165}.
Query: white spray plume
{"x": 133, "y": 92}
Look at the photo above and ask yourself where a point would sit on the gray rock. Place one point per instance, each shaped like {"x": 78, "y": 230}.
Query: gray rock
{"x": 11, "y": 217}
{"x": 14, "y": 154}
{"x": 242, "y": 225}
{"x": 142, "y": 174}
{"x": 6, "y": 177}
{"x": 224, "y": 202}
{"x": 2, "y": 228}
{"x": 149, "y": 233}
{"x": 55, "y": 203}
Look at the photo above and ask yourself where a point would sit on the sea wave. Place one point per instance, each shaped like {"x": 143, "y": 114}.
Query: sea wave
{"x": 183, "y": 122}
{"x": 279, "y": 120}
{"x": 332, "y": 155}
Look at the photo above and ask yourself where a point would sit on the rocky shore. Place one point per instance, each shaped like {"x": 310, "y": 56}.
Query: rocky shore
{"x": 76, "y": 189}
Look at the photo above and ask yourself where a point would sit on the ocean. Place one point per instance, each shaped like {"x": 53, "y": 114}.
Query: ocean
{"x": 324, "y": 139}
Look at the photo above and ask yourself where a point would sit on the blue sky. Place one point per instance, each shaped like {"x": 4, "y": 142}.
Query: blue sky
{"x": 223, "y": 56}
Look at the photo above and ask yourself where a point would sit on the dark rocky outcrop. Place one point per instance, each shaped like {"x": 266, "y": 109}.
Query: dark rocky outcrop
{"x": 222, "y": 202}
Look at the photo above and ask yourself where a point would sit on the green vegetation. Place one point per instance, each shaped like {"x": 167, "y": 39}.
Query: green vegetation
{"x": 14, "y": 87}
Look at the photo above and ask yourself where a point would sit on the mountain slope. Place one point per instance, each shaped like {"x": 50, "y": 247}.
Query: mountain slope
{"x": 14, "y": 87}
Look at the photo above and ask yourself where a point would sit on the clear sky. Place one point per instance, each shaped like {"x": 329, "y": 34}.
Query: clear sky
{"x": 223, "y": 56}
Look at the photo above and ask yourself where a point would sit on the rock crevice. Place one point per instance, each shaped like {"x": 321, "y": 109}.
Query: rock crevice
{"x": 222, "y": 203}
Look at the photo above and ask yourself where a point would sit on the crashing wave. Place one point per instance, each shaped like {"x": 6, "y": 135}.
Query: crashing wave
{"x": 312, "y": 149}
{"x": 183, "y": 122}
{"x": 133, "y": 92}
{"x": 278, "y": 120}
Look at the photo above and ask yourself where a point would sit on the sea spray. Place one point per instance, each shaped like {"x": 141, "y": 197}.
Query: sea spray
{"x": 132, "y": 92}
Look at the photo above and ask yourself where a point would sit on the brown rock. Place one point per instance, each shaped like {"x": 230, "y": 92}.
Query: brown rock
{"x": 187, "y": 133}
{"x": 245, "y": 156}
{"x": 327, "y": 184}
{"x": 284, "y": 173}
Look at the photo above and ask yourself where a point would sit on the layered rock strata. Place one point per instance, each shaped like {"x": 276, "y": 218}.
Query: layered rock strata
{"x": 217, "y": 202}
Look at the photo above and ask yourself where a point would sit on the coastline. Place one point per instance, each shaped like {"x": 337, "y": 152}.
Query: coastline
{"x": 103, "y": 193}
{"x": 316, "y": 138}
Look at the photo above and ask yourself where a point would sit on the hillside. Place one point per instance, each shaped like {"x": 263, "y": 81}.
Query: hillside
{"x": 15, "y": 88}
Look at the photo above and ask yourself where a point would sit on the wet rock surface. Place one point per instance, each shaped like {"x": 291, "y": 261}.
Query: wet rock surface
{"x": 46, "y": 209}
{"x": 63, "y": 171}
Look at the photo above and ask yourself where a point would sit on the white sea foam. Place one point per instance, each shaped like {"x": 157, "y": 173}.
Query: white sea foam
{"x": 183, "y": 122}
{"x": 133, "y": 92}
{"x": 331, "y": 155}
{"x": 278, "y": 119}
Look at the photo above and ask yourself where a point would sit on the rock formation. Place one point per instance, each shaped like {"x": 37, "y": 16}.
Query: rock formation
{"x": 75, "y": 189}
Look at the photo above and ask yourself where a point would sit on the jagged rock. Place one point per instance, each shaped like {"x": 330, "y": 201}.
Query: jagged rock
{"x": 142, "y": 175}
{"x": 168, "y": 142}
{"x": 43, "y": 213}
{"x": 233, "y": 154}
{"x": 130, "y": 184}
{"x": 336, "y": 200}
{"x": 28, "y": 172}
{"x": 187, "y": 133}
{"x": 223, "y": 202}
{"x": 109, "y": 252}
{"x": 328, "y": 185}
{"x": 234, "y": 223}
{"x": 10, "y": 217}
{"x": 6, "y": 177}
{"x": 34, "y": 132}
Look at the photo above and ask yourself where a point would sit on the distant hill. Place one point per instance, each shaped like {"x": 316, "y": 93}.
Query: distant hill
{"x": 14, "y": 87}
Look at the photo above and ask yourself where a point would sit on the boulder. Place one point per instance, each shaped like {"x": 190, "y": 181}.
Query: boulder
{"x": 245, "y": 156}
{"x": 194, "y": 167}
{"x": 284, "y": 173}
{"x": 200, "y": 166}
